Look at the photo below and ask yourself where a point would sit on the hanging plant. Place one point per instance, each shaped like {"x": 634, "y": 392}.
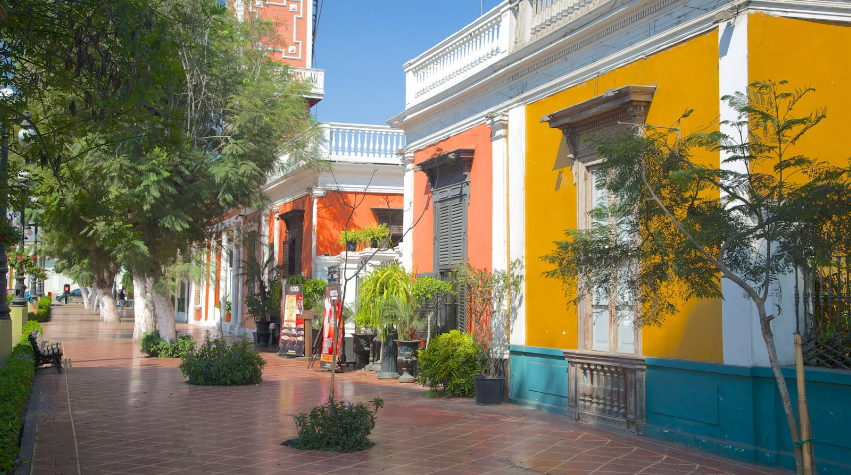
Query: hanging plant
{"x": 27, "y": 265}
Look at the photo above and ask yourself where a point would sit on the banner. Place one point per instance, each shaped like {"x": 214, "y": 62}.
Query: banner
{"x": 332, "y": 294}
{"x": 292, "y": 327}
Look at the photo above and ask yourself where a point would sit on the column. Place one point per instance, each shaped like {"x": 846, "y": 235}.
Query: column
{"x": 516, "y": 220}
{"x": 738, "y": 320}
{"x": 314, "y": 222}
{"x": 273, "y": 220}
{"x": 407, "y": 159}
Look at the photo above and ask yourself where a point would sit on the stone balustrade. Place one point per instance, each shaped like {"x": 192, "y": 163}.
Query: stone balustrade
{"x": 355, "y": 142}
{"x": 316, "y": 78}
{"x": 550, "y": 15}
{"x": 606, "y": 388}
{"x": 510, "y": 27}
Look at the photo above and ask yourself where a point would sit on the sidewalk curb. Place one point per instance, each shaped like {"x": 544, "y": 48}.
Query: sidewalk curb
{"x": 25, "y": 455}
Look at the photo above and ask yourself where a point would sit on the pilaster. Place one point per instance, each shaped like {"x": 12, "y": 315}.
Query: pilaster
{"x": 407, "y": 159}
{"x": 516, "y": 216}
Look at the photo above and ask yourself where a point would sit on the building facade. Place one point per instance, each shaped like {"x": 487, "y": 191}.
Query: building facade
{"x": 357, "y": 181}
{"x": 495, "y": 118}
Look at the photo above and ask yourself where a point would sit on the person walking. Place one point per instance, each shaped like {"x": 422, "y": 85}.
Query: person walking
{"x": 122, "y": 298}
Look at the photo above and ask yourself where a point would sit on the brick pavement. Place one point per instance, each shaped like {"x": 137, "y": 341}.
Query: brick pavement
{"x": 136, "y": 415}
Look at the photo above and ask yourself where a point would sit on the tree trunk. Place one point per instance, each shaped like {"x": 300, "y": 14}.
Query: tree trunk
{"x": 164, "y": 311}
{"x": 143, "y": 306}
{"x": 84, "y": 292}
{"x": 108, "y": 309}
{"x": 768, "y": 336}
{"x": 93, "y": 299}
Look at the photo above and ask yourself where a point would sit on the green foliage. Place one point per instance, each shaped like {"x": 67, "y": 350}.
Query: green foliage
{"x": 215, "y": 363}
{"x": 675, "y": 223}
{"x": 451, "y": 359}
{"x": 9, "y": 296}
{"x": 366, "y": 235}
{"x": 127, "y": 283}
{"x": 379, "y": 284}
{"x": 295, "y": 279}
{"x": 261, "y": 302}
{"x": 428, "y": 289}
{"x": 486, "y": 293}
{"x": 43, "y": 313}
{"x": 401, "y": 313}
{"x": 156, "y": 347}
{"x": 313, "y": 294}
{"x": 337, "y": 426}
{"x": 28, "y": 265}
{"x": 28, "y": 328}
{"x": 16, "y": 380}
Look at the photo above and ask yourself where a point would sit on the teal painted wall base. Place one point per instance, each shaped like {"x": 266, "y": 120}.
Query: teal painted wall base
{"x": 538, "y": 378}
{"x": 736, "y": 412}
{"x": 732, "y": 411}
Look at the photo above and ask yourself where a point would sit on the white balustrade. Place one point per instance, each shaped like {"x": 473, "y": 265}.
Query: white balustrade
{"x": 479, "y": 44}
{"x": 548, "y": 15}
{"x": 362, "y": 142}
{"x": 315, "y": 76}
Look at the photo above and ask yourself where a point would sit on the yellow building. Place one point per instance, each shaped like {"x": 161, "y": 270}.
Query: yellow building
{"x": 541, "y": 74}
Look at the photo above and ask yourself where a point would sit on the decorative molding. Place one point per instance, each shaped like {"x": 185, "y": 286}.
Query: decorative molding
{"x": 498, "y": 123}
{"x": 462, "y": 157}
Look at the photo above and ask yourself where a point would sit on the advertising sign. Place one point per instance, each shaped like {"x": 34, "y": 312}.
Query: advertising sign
{"x": 292, "y": 327}
{"x": 333, "y": 306}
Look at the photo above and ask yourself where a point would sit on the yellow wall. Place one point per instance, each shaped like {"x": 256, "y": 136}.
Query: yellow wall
{"x": 808, "y": 53}
{"x": 686, "y": 76}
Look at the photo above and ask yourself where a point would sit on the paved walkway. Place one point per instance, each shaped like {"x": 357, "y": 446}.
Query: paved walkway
{"x": 114, "y": 411}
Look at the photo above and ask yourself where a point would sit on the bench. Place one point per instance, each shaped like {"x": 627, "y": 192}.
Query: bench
{"x": 46, "y": 352}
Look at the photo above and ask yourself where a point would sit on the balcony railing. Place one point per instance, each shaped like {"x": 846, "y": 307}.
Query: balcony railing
{"x": 475, "y": 47}
{"x": 315, "y": 76}
{"x": 362, "y": 143}
{"x": 507, "y": 28}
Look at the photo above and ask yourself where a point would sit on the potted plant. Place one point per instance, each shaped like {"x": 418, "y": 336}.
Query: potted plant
{"x": 262, "y": 301}
{"x": 428, "y": 294}
{"x": 375, "y": 236}
{"x": 486, "y": 293}
{"x": 351, "y": 238}
{"x": 401, "y": 313}
{"x": 379, "y": 284}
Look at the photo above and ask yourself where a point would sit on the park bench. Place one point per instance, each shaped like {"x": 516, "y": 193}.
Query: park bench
{"x": 46, "y": 352}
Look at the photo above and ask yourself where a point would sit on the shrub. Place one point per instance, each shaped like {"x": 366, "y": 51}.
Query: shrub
{"x": 214, "y": 363}
{"x": 451, "y": 359}
{"x": 28, "y": 328}
{"x": 150, "y": 343}
{"x": 43, "y": 312}
{"x": 154, "y": 346}
{"x": 16, "y": 380}
{"x": 337, "y": 426}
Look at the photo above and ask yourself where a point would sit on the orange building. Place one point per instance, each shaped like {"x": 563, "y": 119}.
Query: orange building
{"x": 308, "y": 206}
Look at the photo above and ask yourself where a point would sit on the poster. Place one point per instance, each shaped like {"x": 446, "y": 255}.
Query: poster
{"x": 333, "y": 304}
{"x": 292, "y": 327}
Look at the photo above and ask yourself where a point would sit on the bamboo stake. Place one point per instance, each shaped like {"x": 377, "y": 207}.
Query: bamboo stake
{"x": 806, "y": 442}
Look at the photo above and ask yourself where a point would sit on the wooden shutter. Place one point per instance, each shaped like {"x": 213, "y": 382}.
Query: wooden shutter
{"x": 451, "y": 231}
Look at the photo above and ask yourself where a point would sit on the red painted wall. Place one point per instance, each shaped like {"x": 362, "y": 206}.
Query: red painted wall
{"x": 287, "y": 23}
{"x": 333, "y": 212}
{"x": 479, "y": 212}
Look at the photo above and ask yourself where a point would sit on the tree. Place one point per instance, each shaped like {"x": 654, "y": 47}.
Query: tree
{"x": 684, "y": 224}
{"x": 227, "y": 116}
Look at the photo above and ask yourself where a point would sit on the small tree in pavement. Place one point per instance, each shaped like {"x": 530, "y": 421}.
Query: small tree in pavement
{"x": 686, "y": 224}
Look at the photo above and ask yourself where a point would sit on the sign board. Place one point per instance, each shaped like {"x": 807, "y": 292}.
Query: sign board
{"x": 291, "y": 342}
{"x": 333, "y": 307}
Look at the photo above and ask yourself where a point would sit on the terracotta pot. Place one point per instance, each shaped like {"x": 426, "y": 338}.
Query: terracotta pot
{"x": 227, "y": 317}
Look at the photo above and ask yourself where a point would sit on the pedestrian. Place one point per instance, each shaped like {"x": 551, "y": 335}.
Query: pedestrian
{"x": 122, "y": 298}
{"x": 30, "y": 301}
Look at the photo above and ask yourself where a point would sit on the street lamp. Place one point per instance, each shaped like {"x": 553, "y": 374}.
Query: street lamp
{"x": 24, "y": 138}
{"x": 20, "y": 287}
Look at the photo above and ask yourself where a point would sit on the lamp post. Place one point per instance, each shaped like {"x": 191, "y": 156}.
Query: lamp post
{"x": 24, "y": 138}
{"x": 20, "y": 287}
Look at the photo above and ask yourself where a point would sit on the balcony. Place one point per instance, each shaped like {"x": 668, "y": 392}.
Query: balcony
{"x": 361, "y": 143}
{"x": 487, "y": 43}
{"x": 317, "y": 79}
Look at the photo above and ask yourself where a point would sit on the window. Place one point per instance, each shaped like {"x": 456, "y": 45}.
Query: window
{"x": 606, "y": 317}
{"x": 392, "y": 218}
{"x": 292, "y": 242}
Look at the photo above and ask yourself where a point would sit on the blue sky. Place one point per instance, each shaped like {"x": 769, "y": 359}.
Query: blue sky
{"x": 363, "y": 44}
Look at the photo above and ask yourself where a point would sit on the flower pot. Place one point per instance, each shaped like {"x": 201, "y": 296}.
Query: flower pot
{"x": 488, "y": 390}
{"x": 227, "y": 317}
{"x": 362, "y": 348}
{"x": 406, "y": 351}
{"x": 263, "y": 333}
{"x": 351, "y": 246}
{"x": 388, "y": 357}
